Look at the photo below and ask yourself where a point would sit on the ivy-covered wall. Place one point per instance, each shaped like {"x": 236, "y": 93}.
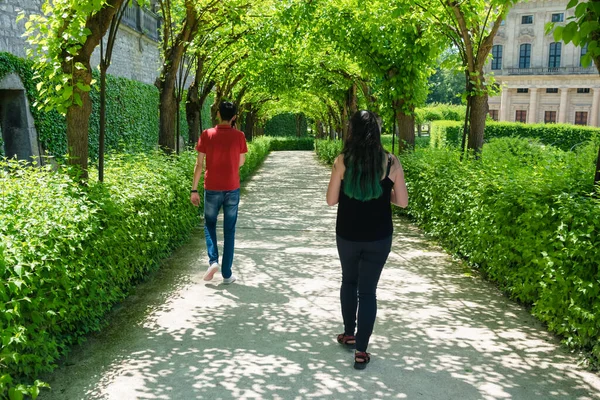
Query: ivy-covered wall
{"x": 131, "y": 113}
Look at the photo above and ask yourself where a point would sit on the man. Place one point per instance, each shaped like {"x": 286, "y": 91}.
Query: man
{"x": 224, "y": 149}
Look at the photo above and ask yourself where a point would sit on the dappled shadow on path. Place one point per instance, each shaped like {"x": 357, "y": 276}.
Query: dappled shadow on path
{"x": 440, "y": 334}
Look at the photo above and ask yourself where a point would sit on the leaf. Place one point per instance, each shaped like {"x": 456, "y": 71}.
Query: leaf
{"x": 15, "y": 394}
{"x": 558, "y": 32}
{"x": 572, "y": 4}
{"x": 77, "y": 99}
{"x": 569, "y": 31}
{"x": 83, "y": 88}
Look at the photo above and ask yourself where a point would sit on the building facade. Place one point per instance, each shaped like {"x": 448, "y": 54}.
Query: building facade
{"x": 136, "y": 53}
{"x": 542, "y": 81}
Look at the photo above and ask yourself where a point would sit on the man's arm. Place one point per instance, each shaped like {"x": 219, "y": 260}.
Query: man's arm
{"x": 195, "y": 197}
{"x": 242, "y": 159}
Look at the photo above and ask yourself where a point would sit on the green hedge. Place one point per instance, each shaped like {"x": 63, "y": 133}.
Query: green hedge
{"x": 563, "y": 136}
{"x": 439, "y": 112}
{"x": 524, "y": 217}
{"x": 279, "y": 144}
{"x": 132, "y": 113}
{"x": 285, "y": 125}
{"x": 68, "y": 253}
{"x": 327, "y": 150}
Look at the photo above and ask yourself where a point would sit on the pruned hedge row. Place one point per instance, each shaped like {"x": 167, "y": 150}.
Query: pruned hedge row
{"x": 524, "y": 216}
{"x": 563, "y": 136}
{"x": 285, "y": 125}
{"x": 68, "y": 253}
{"x": 440, "y": 112}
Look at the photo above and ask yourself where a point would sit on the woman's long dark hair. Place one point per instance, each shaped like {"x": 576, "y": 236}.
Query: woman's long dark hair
{"x": 363, "y": 157}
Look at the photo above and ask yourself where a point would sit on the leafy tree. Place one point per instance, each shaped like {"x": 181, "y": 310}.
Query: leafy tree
{"x": 471, "y": 27}
{"x": 447, "y": 84}
{"x": 63, "y": 39}
{"x": 584, "y": 31}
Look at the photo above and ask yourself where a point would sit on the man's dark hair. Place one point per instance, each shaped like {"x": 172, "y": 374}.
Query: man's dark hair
{"x": 227, "y": 110}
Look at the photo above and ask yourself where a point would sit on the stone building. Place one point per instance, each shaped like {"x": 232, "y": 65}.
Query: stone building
{"x": 136, "y": 53}
{"x": 543, "y": 81}
{"x": 135, "y": 56}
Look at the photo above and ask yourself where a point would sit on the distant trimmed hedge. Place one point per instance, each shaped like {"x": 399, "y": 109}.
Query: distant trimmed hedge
{"x": 440, "y": 112}
{"x": 563, "y": 136}
{"x": 285, "y": 125}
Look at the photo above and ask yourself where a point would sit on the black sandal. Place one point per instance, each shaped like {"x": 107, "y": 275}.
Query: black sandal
{"x": 346, "y": 340}
{"x": 361, "y": 359}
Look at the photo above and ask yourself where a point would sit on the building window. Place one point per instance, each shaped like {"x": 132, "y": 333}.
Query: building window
{"x": 583, "y": 53}
{"x": 494, "y": 115}
{"x": 559, "y": 17}
{"x": 522, "y": 90}
{"x": 550, "y": 117}
{"x": 581, "y": 118}
{"x": 554, "y": 55}
{"x": 525, "y": 56}
{"x": 552, "y": 90}
{"x": 497, "y": 57}
{"x": 521, "y": 116}
{"x": 583, "y": 90}
{"x": 527, "y": 19}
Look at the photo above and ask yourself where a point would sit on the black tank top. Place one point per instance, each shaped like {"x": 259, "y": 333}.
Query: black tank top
{"x": 366, "y": 221}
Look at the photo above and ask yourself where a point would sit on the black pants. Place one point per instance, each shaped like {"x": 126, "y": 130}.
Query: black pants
{"x": 362, "y": 263}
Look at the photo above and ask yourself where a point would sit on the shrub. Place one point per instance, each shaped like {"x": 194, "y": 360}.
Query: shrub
{"x": 69, "y": 253}
{"x": 563, "y": 136}
{"x": 445, "y": 133}
{"x": 279, "y": 144}
{"x": 328, "y": 150}
{"x": 439, "y": 112}
{"x": 524, "y": 216}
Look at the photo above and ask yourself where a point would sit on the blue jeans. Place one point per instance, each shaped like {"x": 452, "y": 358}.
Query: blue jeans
{"x": 213, "y": 200}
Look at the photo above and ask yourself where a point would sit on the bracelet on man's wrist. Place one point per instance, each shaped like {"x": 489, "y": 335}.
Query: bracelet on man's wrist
{"x": 194, "y": 191}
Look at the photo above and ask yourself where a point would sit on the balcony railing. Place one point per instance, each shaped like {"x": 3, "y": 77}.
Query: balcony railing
{"x": 548, "y": 71}
{"x": 141, "y": 20}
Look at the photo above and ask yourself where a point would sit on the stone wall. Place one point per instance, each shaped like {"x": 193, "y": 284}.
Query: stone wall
{"x": 135, "y": 56}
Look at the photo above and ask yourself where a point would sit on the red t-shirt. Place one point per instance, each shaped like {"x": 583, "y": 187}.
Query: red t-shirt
{"x": 222, "y": 146}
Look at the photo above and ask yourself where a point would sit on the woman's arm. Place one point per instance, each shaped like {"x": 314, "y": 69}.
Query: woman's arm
{"x": 335, "y": 182}
{"x": 399, "y": 192}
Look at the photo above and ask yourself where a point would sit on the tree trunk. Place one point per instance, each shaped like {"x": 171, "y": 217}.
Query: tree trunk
{"x": 249, "y": 126}
{"x": 345, "y": 122}
{"x": 353, "y": 99}
{"x": 168, "y": 77}
{"x": 298, "y": 123}
{"x": 193, "y": 114}
{"x": 78, "y": 119}
{"x": 167, "y": 120}
{"x": 597, "y": 178}
{"x": 478, "y": 112}
{"x": 102, "y": 133}
{"x": 406, "y": 127}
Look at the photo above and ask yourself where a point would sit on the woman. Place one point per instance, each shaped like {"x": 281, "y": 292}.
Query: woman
{"x": 364, "y": 180}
